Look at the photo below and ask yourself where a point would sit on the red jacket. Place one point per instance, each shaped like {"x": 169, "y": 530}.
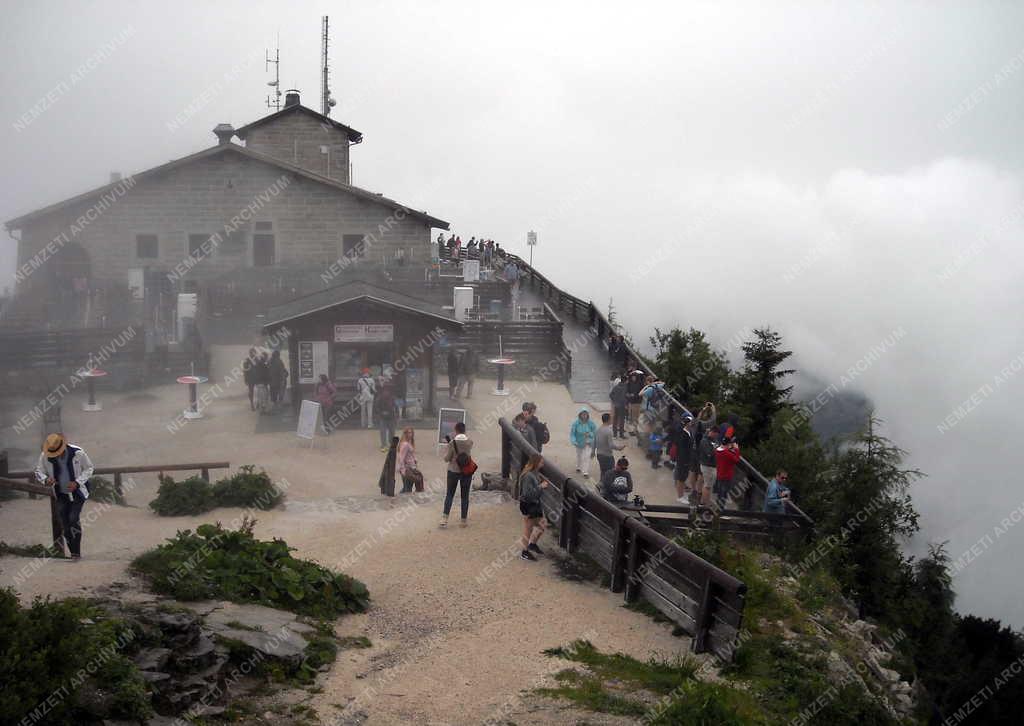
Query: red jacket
{"x": 726, "y": 460}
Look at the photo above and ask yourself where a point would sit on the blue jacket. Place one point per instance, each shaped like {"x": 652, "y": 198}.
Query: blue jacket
{"x": 773, "y": 501}
{"x": 582, "y": 434}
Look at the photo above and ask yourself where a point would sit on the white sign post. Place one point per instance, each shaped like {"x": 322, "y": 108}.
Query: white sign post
{"x": 531, "y": 242}
{"x": 309, "y": 419}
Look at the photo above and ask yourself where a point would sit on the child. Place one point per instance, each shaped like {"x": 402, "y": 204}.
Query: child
{"x": 655, "y": 443}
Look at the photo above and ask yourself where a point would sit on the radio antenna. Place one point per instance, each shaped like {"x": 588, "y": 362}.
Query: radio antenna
{"x": 326, "y": 100}
{"x": 274, "y": 99}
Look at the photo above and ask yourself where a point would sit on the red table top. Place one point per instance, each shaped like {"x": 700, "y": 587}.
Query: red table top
{"x": 192, "y": 379}
{"x": 502, "y": 361}
{"x": 91, "y": 373}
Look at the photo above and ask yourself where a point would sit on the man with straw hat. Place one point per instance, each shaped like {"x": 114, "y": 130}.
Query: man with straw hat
{"x": 66, "y": 468}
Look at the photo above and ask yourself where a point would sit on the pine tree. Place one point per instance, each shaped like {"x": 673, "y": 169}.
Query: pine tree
{"x": 759, "y": 390}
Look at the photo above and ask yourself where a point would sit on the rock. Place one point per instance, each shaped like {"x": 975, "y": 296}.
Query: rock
{"x": 152, "y": 659}
{"x": 94, "y": 700}
{"x": 284, "y": 644}
{"x": 200, "y": 655}
{"x": 154, "y": 677}
{"x": 256, "y": 617}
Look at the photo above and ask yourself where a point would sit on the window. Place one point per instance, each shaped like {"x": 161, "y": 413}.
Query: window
{"x": 353, "y": 246}
{"x": 146, "y": 247}
{"x": 196, "y": 243}
{"x": 263, "y": 252}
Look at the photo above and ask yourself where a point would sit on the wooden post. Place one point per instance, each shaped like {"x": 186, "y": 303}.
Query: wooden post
{"x": 55, "y": 527}
{"x": 563, "y": 519}
{"x": 574, "y": 526}
{"x": 117, "y": 484}
{"x": 705, "y": 617}
{"x": 205, "y": 473}
{"x": 506, "y": 455}
{"x": 618, "y": 583}
{"x": 633, "y": 568}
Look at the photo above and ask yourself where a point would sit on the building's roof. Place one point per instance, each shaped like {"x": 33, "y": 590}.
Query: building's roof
{"x": 19, "y": 222}
{"x": 354, "y": 136}
{"x": 350, "y": 292}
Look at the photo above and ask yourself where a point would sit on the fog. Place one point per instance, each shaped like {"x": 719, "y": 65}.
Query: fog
{"x": 849, "y": 175}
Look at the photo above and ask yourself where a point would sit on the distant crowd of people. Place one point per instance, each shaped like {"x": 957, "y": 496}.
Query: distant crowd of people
{"x": 463, "y": 366}
{"x": 266, "y": 378}
{"x": 485, "y": 250}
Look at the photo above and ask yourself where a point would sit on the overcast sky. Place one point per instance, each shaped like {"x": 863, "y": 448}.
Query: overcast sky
{"x": 849, "y": 173}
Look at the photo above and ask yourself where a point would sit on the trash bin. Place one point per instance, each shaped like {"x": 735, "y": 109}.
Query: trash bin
{"x": 496, "y": 307}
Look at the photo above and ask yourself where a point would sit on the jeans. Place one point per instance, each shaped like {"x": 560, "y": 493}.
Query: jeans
{"x": 387, "y": 431}
{"x": 722, "y": 487}
{"x": 69, "y": 511}
{"x": 458, "y": 479}
{"x": 605, "y": 462}
{"x": 583, "y": 457}
{"x": 366, "y": 414}
{"x": 619, "y": 421}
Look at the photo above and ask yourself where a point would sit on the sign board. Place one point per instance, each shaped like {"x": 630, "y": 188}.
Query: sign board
{"x": 137, "y": 283}
{"x": 312, "y": 360}
{"x": 531, "y": 239}
{"x": 471, "y": 271}
{"x": 309, "y": 417}
{"x": 463, "y": 299}
{"x": 364, "y": 333}
{"x": 446, "y": 420}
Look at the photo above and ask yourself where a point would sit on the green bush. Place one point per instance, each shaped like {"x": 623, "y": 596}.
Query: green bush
{"x": 176, "y": 498}
{"x": 214, "y": 562}
{"x": 36, "y": 550}
{"x": 66, "y": 651}
{"x": 195, "y": 495}
{"x": 247, "y": 489}
{"x": 102, "y": 489}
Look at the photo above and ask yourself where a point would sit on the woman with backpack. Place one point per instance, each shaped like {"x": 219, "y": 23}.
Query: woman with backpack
{"x": 407, "y": 468}
{"x": 531, "y": 482}
{"x": 460, "y": 472}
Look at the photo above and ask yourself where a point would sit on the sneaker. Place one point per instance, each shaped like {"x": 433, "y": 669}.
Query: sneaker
{"x": 444, "y": 521}
{"x": 76, "y": 558}
{"x": 463, "y": 523}
{"x": 586, "y": 475}
{"x": 683, "y": 500}
{"x": 527, "y": 555}
{"x": 383, "y": 449}
{"x": 578, "y": 471}
{"x": 534, "y": 548}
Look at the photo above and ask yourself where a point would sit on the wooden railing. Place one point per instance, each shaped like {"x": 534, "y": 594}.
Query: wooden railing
{"x": 581, "y": 310}
{"x": 29, "y": 483}
{"x": 703, "y": 600}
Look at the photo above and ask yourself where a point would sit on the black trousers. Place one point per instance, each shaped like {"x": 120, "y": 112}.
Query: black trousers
{"x": 619, "y": 421}
{"x": 462, "y": 481}
{"x": 605, "y": 462}
{"x": 70, "y": 512}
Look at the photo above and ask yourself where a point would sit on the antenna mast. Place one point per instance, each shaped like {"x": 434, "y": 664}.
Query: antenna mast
{"x": 276, "y": 83}
{"x": 326, "y": 102}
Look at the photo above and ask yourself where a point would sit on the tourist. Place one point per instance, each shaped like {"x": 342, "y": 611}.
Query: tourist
{"x": 655, "y": 444}
{"x": 488, "y": 254}
{"x": 366, "y": 389}
{"x": 511, "y": 273}
{"x": 460, "y": 472}
{"x": 727, "y": 455}
{"x": 605, "y": 446}
{"x": 614, "y": 347}
{"x": 708, "y": 463}
{"x": 541, "y": 434}
{"x": 324, "y": 393}
{"x": 617, "y": 483}
{"x": 706, "y": 418}
{"x": 634, "y": 384}
{"x": 453, "y": 373}
{"x": 261, "y": 370}
{"x": 407, "y": 468}
{"x": 468, "y": 366}
{"x": 278, "y": 377}
{"x": 654, "y": 397}
{"x": 581, "y": 436}
{"x": 66, "y": 469}
{"x": 387, "y": 414}
{"x": 682, "y": 473}
{"x": 531, "y": 483}
{"x": 620, "y": 400}
{"x": 249, "y": 376}
{"x": 777, "y": 493}
{"x": 471, "y": 248}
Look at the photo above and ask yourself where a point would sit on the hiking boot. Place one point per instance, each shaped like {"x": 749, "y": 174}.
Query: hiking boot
{"x": 534, "y": 548}
{"x": 527, "y": 555}
{"x": 463, "y": 523}
{"x": 444, "y": 521}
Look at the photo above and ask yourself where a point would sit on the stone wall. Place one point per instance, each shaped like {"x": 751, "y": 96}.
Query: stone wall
{"x": 297, "y": 137}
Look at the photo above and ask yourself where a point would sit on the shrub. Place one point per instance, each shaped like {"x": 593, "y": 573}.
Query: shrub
{"x": 176, "y": 498}
{"x": 247, "y": 489}
{"x": 214, "y": 562}
{"x": 67, "y": 651}
{"x": 36, "y": 550}
{"x": 102, "y": 489}
{"x": 195, "y": 495}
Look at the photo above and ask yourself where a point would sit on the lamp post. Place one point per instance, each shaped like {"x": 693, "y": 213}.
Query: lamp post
{"x": 531, "y": 242}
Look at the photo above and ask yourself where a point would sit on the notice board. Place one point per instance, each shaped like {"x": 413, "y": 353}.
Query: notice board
{"x": 446, "y": 420}
{"x": 309, "y": 416}
{"x": 312, "y": 360}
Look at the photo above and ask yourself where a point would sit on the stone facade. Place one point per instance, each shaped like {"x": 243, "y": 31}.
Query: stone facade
{"x": 297, "y": 138}
{"x": 230, "y": 198}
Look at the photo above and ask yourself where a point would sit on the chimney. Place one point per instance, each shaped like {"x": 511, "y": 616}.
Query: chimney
{"x": 115, "y": 177}
{"x": 291, "y": 97}
{"x": 224, "y": 132}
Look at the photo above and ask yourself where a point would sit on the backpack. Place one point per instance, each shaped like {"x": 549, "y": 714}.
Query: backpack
{"x": 545, "y": 435}
{"x": 529, "y": 491}
{"x": 464, "y": 460}
{"x": 658, "y": 398}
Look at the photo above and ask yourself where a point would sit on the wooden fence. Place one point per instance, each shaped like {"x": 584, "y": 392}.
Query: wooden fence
{"x": 703, "y": 600}
{"x": 26, "y": 481}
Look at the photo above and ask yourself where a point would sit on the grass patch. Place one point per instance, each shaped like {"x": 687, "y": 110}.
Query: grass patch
{"x": 71, "y": 652}
{"x": 216, "y": 563}
{"x": 195, "y": 495}
{"x": 660, "y": 677}
{"x": 354, "y": 641}
{"x": 645, "y": 608}
{"x": 35, "y": 550}
{"x": 102, "y": 489}
{"x": 589, "y": 692}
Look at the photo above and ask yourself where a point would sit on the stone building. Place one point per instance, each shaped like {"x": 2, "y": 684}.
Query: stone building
{"x": 257, "y": 223}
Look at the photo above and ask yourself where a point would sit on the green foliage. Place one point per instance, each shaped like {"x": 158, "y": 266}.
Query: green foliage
{"x": 214, "y": 562}
{"x": 195, "y": 495}
{"x": 354, "y": 641}
{"x": 36, "y": 550}
{"x": 589, "y": 692}
{"x": 658, "y": 676}
{"x": 758, "y": 388}
{"x": 705, "y": 543}
{"x": 102, "y": 489}
{"x": 64, "y": 650}
{"x": 690, "y": 366}
{"x": 187, "y": 497}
